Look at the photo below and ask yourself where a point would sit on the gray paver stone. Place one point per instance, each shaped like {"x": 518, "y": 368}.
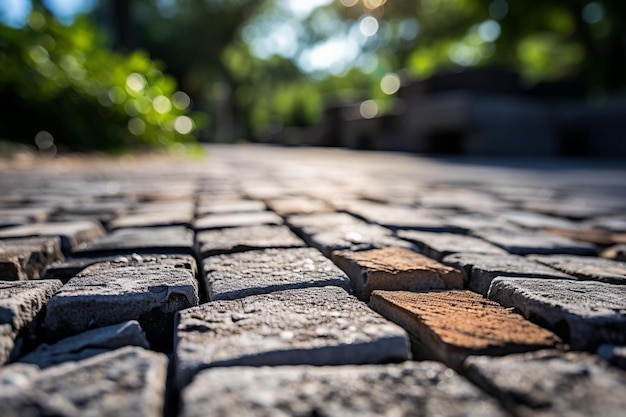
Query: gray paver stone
{"x": 66, "y": 269}
{"x": 401, "y": 217}
{"x": 20, "y": 305}
{"x": 585, "y": 267}
{"x": 439, "y": 245}
{"x": 173, "y": 239}
{"x": 148, "y": 289}
{"x": 220, "y": 221}
{"x": 526, "y": 243}
{"x": 126, "y": 382}
{"x": 613, "y": 354}
{"x": 230, "y": 206}
{"x": 552, "y": 383}
{"x": 616, "y": 252}
{"x": 239, "y": 239}
{"x": 479, "y": 270}
{"x": 410, "y": 389}
{"x": 72, "y": 234}
{"x": 25, "y": 258}
{"x": 584, "y": 313}
{"x": 88, "y": 344}
{"x": 153, "y": 219}
{"x": 257, "y": 272}
{"x": 313, "y": 326}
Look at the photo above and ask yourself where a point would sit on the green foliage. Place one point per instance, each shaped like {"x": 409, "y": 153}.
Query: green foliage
{"x": 63, "y": 80}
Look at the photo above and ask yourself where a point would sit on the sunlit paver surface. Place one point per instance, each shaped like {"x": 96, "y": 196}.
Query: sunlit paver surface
{"x": 165, "y": 286}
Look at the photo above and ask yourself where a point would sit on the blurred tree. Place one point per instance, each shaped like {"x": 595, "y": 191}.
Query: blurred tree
{"x": 62, "y": 83}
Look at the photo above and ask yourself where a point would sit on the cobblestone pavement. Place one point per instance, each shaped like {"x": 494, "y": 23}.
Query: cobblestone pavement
{"x": 312, "y": 282}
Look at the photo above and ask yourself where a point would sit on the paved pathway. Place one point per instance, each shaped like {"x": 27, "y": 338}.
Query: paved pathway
{"x": 289, "y": 281}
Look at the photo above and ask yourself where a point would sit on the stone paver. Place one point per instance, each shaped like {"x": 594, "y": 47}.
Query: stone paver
{"x": 479, "y": 270}
{"x": 26, "y": 258}
{"x": 312, "y": 326}
{"x": 440, "y": 245}
{"x": 240, "y": 239}
{"x": 220, "y": 221}
{"x": 230, "y": 206}
{"x": 66, "y": 269}
{"x": 21, "y": 303}
{"x": 153, "y": 219}
{"x": 259, "y": 272}
{"x": 126, "y": 382}
{"x": 584, "y": 313}
{"x": 410, "y": 389}
{"x": 147, "y": 240}
{"x": 395, "y": 269}
{"x": 451, "y": 325}
{"x": 552, "y": 383}
{"x": 585, "y": 267}
{"x": 526, "y": 243}
{"x": 149, "y": 290}
{"x": 72, "y": 234}
{"x": 292, "y": 206}
{"x": 88, "y": 344}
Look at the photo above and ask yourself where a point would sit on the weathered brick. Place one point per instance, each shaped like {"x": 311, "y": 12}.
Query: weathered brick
{"x": 72, "y": 234}
{"x": 21, "y": 303}
{"x": 585, "y": 267}
{"x": 551, "y": 383}
{"x": 87, "y": 344}
{"x": 292, "y": 206}
{"x": 439, "y": 245}
{"x": 258, "y": 272}
{"x": 395, "y": 269}
{"x": 149, "y": 289}
{"x": 126, "y": 382}
{"x": 66, "y": 269}
{"x": 409, "y": 389}
{"x": 146, "y": 240}
{"x": 153, "y": 219}
{"x": 402, "y": 217}
{"x": 220, "y": 221}
{"x": 314, "y": 326}
{"x": 583, "y": 313}
{"x": 230, "y": 206}
{"x": 526, "y": 243}
{"x": 451, "y": 325}
{"x": 315, "y": 223}
{"x": 25, "y": 258}
{"x": 239, "y": 239}
{"x": 479, "y": 270}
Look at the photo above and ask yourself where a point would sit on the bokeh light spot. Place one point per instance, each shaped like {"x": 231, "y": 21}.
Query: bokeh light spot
{"x": 183, "y": 125}
{"x": 368, "y": 109}
{"x": 44, "y": 140}
{"x": 136, "y": 82}
{"x": 136, "y": 126}
{"x": 162, "y": 104}
{"x": 390, "y": 83}
{"x": 593, "y": 13}
{"x": 349, "y": 3}
{"x": 368, "y": 26}
{"x": 489, "y": 30}
{"x": 181, "y": 100}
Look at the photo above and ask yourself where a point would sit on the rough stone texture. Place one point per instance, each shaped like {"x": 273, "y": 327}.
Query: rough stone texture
{"x": 314, "y": 223}
{"x": 401, "y": 217}
{"x": 354, "y": 237}
{"x": 395, "y": 269}
{"x": 617, "y": 253}
{"x": 584, "y": 313}
{"x": 479, "y": 270}
{"x": 88, "y": 344}
{"x": 154, "y": 219}
{"x": 149, "y": 290}
{"x": 552, "y": 383}
{"x": 439, "y": 245}
{"x": 72, "y": 234}
{"x": 259, "y": 272}
{"x": 616, "y": 355}
{"x": 526, "y": 243}
{"x": 147, "y": 240}
{"x": 310, "y": 326}
{"x": 537, "y": 220}
{"x": 20, "y": 305}
{"x": 239, "y": 239}
{"x": 451, "y": 325}
{"x": 409, "y": 389}
{"x": 585, "y": 267}
{"x": 25, "y": 258}
{"x": 292, "y": 206}
{"x": 220, "y": 221}
{"x": 71, "y": 266}
{"x": 126, "y": 382}
{"x": 596, "y": 236}
{"x": 232, "y": 206}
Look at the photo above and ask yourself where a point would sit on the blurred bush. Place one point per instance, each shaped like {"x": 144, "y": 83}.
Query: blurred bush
{"x": 62, "y": 87}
